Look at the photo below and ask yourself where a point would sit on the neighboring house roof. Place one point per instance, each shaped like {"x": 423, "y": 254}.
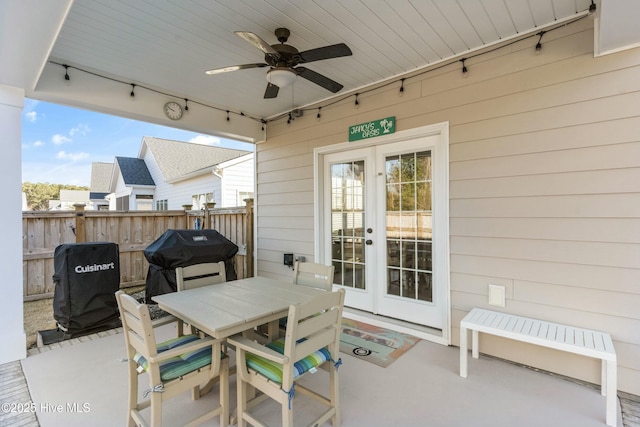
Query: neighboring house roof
{"x": 101, "y": 178}
{"x": 178, "y": 159}
{"x": 97, "y": 195}
{"x": 134, "y": 171}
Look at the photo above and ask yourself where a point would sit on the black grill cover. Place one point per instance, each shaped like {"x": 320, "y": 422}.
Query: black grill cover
{"x": 182, "y": 248}
{"x": 87, "y": 276}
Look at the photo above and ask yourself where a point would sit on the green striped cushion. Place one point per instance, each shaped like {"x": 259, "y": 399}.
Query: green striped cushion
{"x": 273, "y": 370}
{"x": 179, "y": 365}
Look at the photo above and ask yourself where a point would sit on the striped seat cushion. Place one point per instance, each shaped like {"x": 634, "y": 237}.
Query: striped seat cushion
{"x": 273, "y": 370}
{"x": 179, "y": 365}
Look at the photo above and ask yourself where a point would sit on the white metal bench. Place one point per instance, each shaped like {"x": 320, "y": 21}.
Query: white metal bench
{"x": 553, "y": 335}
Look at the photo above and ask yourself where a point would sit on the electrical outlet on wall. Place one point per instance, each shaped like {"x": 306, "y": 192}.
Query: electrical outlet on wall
{"x": 288, "y": 260}
{"x": 497, "y": 295}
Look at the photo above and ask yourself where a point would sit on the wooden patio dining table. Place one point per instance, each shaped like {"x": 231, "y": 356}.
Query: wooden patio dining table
{"x": 229, "y": 308}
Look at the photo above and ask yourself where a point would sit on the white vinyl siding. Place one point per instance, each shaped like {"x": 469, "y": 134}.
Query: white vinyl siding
{"x": 237, "y": 177}
{"x": 544, "y": 194}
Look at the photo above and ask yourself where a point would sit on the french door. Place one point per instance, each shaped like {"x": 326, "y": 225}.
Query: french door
{"x": 382, "y": 205}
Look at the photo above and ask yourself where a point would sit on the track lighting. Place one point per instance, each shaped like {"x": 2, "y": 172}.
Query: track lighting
{"x": 228, "y": 119}
{"x": 186, "y": 104}
{"x": 132, "y": 94}
{"x": 465, "y": 71}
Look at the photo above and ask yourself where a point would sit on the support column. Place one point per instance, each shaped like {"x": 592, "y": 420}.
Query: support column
{"x": 14, "y": 340}
{"x": 249, "y": 237}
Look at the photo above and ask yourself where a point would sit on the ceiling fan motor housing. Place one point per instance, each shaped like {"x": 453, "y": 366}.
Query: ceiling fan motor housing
{"x": 288, "y": 56}
{"x": 282, "y": 34}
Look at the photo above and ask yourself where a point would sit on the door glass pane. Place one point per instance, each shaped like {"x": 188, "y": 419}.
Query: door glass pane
{"x": 409, "y": 225}
{"x": 347, "y": 223}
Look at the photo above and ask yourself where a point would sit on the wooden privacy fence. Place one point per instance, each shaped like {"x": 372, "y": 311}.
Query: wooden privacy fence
{"x": 43, "y": 231}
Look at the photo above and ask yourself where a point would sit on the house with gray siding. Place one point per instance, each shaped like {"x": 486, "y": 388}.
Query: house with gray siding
{"x": 168, "y": 174}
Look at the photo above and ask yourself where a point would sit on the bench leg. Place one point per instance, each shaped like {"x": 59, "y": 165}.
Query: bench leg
{"x": 609, "y": 379}
{"x": 463, "y": 352}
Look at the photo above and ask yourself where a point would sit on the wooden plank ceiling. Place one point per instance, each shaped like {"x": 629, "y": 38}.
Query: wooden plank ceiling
{"x": 168, "y": 44}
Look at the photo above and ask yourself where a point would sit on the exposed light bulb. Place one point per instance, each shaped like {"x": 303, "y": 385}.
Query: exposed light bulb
{"x": 465, "y": 70}
{"x": 539, "y": 44}
{"x": 67, "y": 79}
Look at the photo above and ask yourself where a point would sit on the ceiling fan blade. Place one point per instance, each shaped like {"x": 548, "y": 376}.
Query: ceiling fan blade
{"x": 319, "y": 79}
{"x": 271, "y": 92}
{"x": 257, "y": 42}
{"x": 327, "y": 52}
{"x": 234, "y": 68}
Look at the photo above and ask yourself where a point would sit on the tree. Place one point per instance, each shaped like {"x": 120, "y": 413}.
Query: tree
{"x": 38, "y": 194}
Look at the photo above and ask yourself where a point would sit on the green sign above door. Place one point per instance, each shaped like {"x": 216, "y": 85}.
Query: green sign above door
{"x": 372, "y": 129}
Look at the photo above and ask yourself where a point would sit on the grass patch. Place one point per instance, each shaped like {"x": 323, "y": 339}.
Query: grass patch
{"x": 38, "y": 316}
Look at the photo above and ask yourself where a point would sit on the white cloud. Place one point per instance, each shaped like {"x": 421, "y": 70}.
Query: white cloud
{"x": 205, "y": 140}
{"x": 82, "y": 129}
{"x": 59, "y": 139}
{"x": 38, "y": 143}
{"x": 32, "y": 116}
{"x": 74, "y": 157}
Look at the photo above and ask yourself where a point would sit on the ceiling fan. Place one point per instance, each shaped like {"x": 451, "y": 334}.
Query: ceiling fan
{"x": 283, "y": 60}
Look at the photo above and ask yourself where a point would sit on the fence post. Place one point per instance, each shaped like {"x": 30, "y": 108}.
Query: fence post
{"x": 79, "y": 226}
{"x": 207, "y": 215}
{"x": 187, "y": 208}
{"x": 249, "y": 236}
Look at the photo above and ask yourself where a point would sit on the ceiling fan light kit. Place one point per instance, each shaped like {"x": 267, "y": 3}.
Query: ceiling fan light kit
{"x": 281, "y": 76}
{"x": 283, "y": 61}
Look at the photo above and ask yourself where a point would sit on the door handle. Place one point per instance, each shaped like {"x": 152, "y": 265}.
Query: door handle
{"x": 368, "y": 242}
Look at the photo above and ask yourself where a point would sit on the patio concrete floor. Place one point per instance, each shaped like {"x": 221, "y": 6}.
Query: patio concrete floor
{"x": 84, "y": 382}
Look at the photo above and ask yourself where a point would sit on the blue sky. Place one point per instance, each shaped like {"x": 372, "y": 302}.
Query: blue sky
{"x": 59, "y": 143}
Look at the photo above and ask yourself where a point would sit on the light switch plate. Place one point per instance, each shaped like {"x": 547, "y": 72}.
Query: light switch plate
{"x": 497, "y": 295}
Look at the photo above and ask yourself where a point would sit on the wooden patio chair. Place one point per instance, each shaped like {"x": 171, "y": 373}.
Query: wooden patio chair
{"x": 314, "y": 275}
{"x": 198, "y": 275}
{"x": 173, "y": 366}
{"x": 312, "y": 340}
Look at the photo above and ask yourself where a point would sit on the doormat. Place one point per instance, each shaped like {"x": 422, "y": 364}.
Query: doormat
{"x": 372, "y": 343}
